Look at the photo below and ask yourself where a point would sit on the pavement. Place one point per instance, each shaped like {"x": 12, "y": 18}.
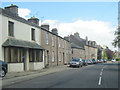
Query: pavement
{"x": 15, "y": 77}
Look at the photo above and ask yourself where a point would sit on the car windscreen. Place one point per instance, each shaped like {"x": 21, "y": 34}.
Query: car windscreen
{"x": 77, "y": 60}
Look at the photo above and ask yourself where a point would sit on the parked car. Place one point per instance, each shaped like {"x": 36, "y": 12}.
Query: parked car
{"x": 104, "y": 60}
{"x": 94, "y": 61}
{"x": 100, "y": 61}
{"x": 76, "y": 62}
{"x": 113, "y": 60}
{"x": 4, "y": 68}
{"x": 85, "y": 62}
{"x": 89, "y": 61}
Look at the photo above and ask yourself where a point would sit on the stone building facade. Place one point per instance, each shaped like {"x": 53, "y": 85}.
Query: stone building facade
{"x": 27, "y": 46}
{"x": 57, "y": 49}
{"x": 87, "y": 48}
{"x": 77, "y": 51}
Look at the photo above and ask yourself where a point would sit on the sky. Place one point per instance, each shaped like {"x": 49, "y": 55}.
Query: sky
{"x": 97, "y": 20}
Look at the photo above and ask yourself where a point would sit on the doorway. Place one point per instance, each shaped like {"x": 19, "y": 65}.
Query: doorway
{"x": 63, "y": 58}
{"x": 47, "y": 58}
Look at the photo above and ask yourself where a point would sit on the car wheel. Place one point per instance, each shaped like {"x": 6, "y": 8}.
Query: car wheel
{"x": 78, "y": 66}
{"x": 2, "y": 73}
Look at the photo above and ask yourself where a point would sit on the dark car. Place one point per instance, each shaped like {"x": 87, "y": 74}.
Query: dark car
{"x": 94, "y": 61}
{"x": 76, "y": 62}
{"x": 3, "y": 69}
{"x": 104, "y": 60}
{"x": 85, "y": 62}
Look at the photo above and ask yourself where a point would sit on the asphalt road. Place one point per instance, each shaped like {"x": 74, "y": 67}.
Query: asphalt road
{"x": 92, "y": 76}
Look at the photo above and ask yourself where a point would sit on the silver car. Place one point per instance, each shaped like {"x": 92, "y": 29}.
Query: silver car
{"x": 89, "y": 61}
{"x": 76, "y": 62}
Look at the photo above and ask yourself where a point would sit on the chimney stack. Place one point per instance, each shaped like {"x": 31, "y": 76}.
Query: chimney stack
{"x": 86, "y": 40}
{"x": 34, "y": 20}
{"x": 45, "y": 26}
{"x": 13, "y": 9}
{"x": 55, "y": 31}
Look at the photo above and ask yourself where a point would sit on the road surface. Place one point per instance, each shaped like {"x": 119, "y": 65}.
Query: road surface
{"x": 91, "y": 76}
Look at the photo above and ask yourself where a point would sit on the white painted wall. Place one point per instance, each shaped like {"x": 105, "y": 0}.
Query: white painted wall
{"x": 15, "y": 67}
{"x": 21, "y": 31}
{"x": 36, "y": 65}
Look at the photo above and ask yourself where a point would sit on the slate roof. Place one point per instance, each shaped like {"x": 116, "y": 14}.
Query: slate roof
{"x": 21, "y": 43}
{"x": 80, "y": 42}
{"x": 76, "y": 46}
{"x": 76, "y": 41}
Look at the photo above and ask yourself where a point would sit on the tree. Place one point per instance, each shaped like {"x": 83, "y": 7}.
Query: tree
{"x": 104, "y": 55}
{"x": 109, "y": 53}
{"x": 115, "y": 56}
{"x": 116, "y": 41}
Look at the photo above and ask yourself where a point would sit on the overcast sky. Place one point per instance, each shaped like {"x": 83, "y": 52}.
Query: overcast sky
{"x": 97, "y": 20}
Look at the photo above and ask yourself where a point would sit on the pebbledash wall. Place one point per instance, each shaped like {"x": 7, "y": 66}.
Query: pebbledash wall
{"x": 22, "y": 32}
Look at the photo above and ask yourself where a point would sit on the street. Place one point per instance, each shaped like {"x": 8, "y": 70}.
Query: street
{"x": 91, "y": 76}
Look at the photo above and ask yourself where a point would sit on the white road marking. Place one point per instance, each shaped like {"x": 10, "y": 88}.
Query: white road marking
{"x": 99, "y": 81}
{"x": 101, "y": 73}
{"x": 102, "y": 69}
{"x": 100, "y": 76}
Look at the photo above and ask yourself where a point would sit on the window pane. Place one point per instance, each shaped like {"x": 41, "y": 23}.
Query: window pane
{"x": 37, "y": 55}
{"x": 33, "y": 34}
{"x": 46, "y": 38}
{"x": 52, "y": 41}
{"x": 41, "y": 55}
{"x": 10, "y": 28}
{"x": 15, "y": 55}
{"x": 53, "y": 56}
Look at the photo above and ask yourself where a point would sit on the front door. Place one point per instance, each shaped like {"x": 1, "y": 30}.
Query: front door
{"x": 63, "y": 58}
{"x": 47, "y": 57}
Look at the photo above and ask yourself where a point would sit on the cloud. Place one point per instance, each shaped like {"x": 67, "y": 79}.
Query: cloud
{"x": 23, "y": 12}
{"x": 99, "y": 31}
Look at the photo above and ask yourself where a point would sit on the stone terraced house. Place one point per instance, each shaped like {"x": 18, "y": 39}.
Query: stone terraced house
{"x": 25, "y": 45}
{"x": 82, "y": 48}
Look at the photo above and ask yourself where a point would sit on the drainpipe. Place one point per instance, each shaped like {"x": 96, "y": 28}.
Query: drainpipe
{"x": 57, "y": 49}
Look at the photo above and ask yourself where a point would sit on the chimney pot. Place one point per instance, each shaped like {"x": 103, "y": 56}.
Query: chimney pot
{"x": 55, "y": 31}
{"x": 34, "y": 20}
